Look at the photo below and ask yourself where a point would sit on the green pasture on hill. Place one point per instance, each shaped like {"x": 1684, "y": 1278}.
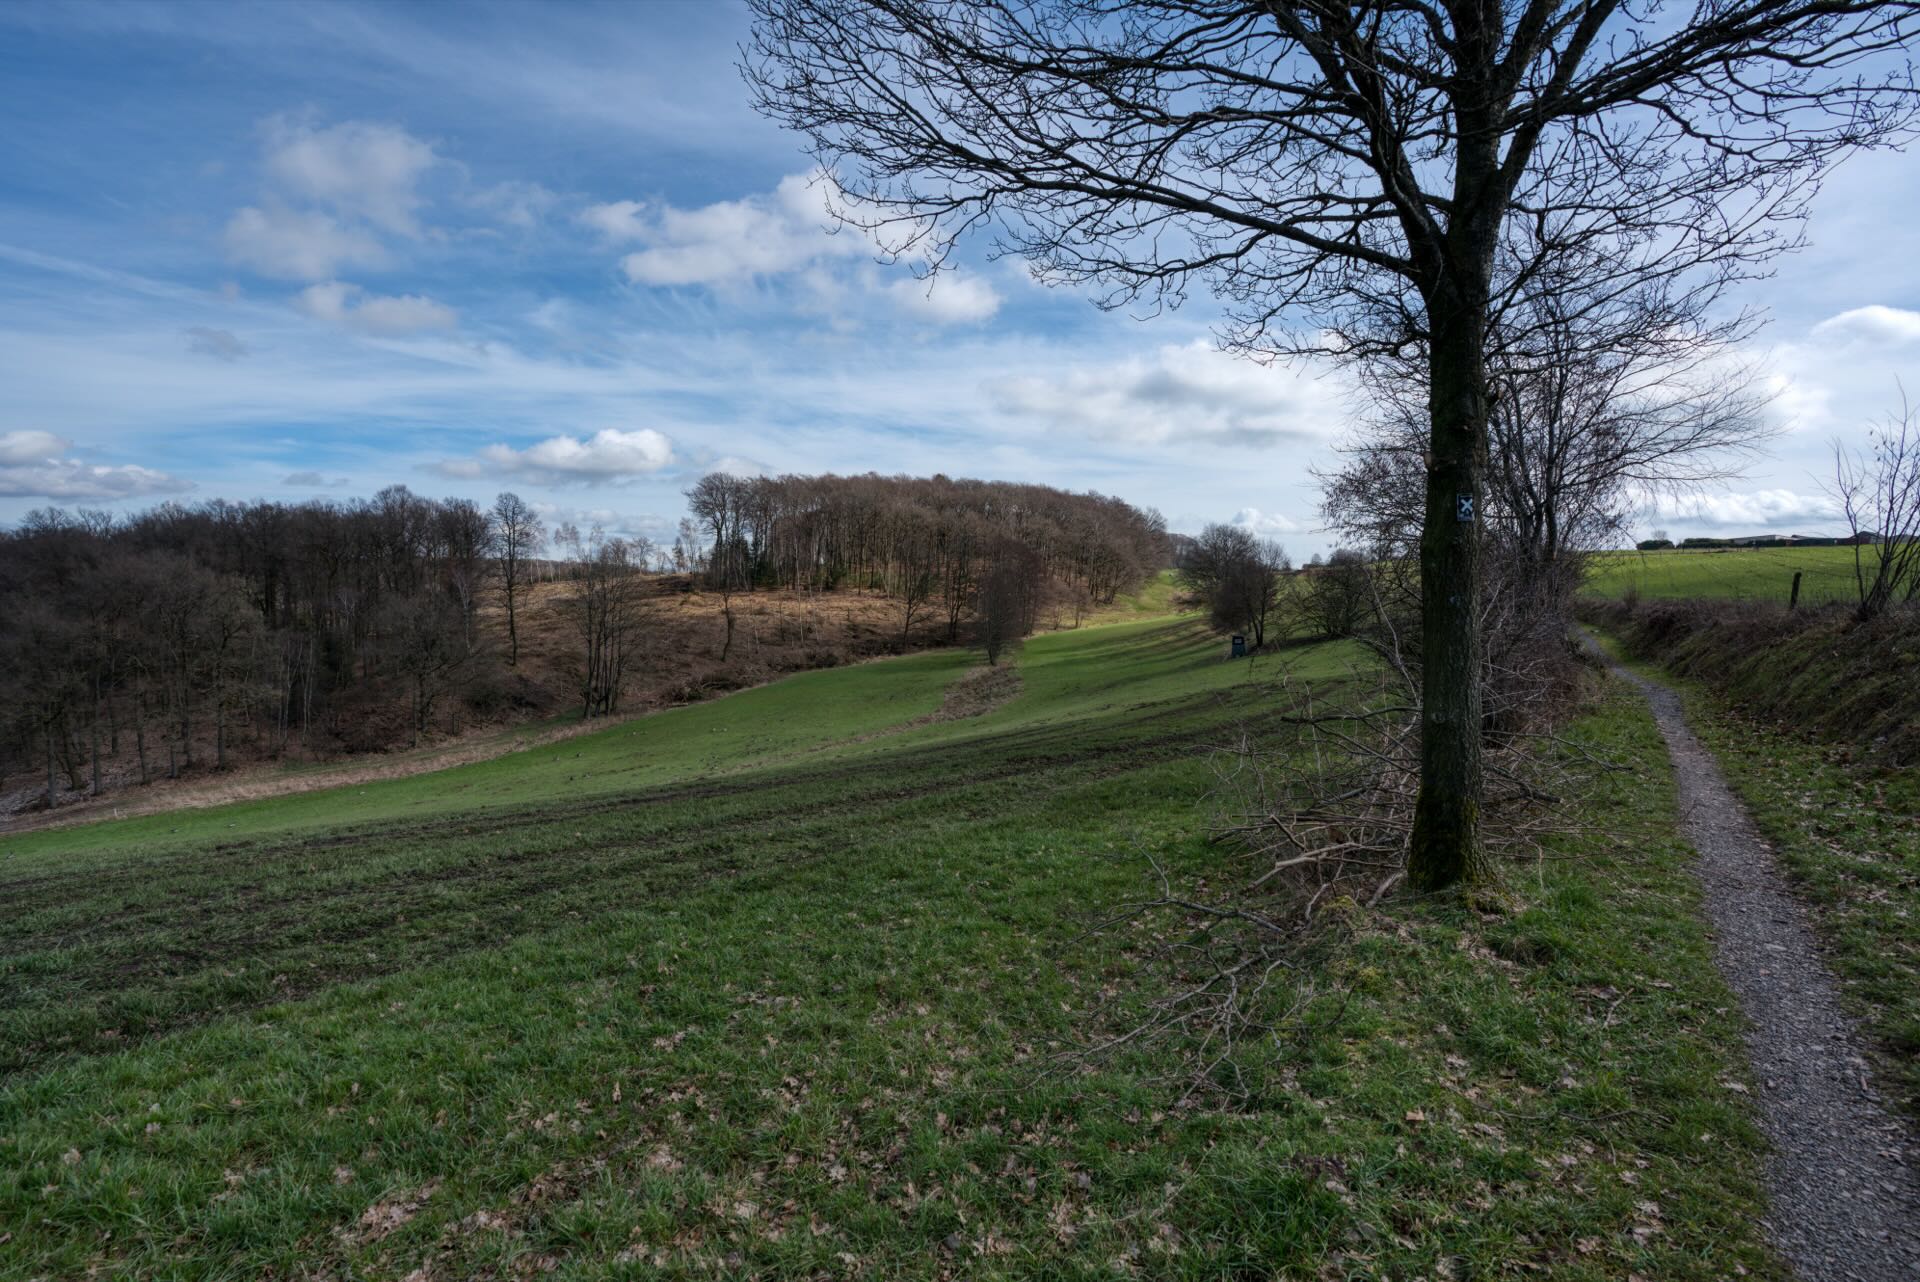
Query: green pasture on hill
{"x": 779, "y": 986}
{"x": 1745, "y": 574}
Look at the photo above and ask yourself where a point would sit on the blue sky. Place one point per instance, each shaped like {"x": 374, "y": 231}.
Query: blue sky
{"x": 309, "y": 250}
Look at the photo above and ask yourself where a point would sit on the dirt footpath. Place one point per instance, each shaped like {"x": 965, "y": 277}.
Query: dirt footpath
{"x": 1844, "y": 1177}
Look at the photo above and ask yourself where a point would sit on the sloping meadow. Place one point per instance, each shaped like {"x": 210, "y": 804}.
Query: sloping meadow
{"x": 811, "y": 1006}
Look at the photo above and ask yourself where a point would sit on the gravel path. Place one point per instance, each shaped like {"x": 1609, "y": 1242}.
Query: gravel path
{"x": 1844, "y": 1176}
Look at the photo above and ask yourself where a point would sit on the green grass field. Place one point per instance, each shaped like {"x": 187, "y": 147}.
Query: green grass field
{"x": 1748, "y": 574}
{"x": 776, "y": 986}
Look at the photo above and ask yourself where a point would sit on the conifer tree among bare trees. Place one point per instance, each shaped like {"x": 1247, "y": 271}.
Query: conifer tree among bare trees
{"x": 1347, "y": 177}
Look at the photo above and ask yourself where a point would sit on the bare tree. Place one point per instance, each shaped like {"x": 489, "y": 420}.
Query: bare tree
{"x": 467, "y": 538}
{"x": 1236, "y": 576}
{"x": 1600, "y": 404}
{"x": 1879, "y": 493}
{"x": 1007, "y": 599}
{"x": 1338, "y": 598}
{"x": 720, "y": 502}
{"x": 607, "y": 600}
{"x": 426, "y": 639}
{"x": 1344, "y": 177}
{"x": 519, "y": 535}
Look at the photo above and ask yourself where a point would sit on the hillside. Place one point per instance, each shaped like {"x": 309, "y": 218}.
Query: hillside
{"x": 778, "y": 985}
{"x": 679, "y": 662}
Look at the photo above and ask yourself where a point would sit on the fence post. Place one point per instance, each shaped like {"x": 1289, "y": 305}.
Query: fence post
{"x": 1793, "y": 601}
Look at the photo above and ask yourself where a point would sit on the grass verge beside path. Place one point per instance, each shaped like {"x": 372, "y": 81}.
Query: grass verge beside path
{"x": 1848, "y": 830}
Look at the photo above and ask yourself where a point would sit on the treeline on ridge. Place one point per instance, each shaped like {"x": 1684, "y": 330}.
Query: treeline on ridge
{"x": 174, "y": 638}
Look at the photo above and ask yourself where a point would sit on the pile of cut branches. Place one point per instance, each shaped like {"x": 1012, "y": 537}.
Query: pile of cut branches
{"x": 1312, "y": 817}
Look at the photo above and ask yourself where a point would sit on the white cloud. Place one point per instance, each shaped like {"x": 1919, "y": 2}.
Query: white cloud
{"x": 345, "y": 304}
{"x": 359, "y": 168}
{"x": 1759, "y": 509}
{"x": 729, "y": 241}
{"x": 517, "y": 204}
{"x": 220, "y": 344}
{"x": 946, "y": 299}
{"x": 34, "y": 464}
{"x": 1877, "y": 324}
{"x": 17, "y": 448}
{"x": 313, "y": 481}
{"x": 624, "y": 525}
{"x": 297, "y": 245}
{"x": 618, "y": 220}
{"x": 608, "y": 455}
{"x": 1186, "y": 393}
{"x": 1268, "y": 525}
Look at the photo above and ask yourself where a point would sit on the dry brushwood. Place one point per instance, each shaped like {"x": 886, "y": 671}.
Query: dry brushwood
{"x": 1314, "y": 819}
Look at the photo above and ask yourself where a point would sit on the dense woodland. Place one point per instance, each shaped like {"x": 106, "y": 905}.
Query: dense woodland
{"x": 185, "y": 638}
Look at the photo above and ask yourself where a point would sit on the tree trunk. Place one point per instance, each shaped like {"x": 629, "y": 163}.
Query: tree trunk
{"x": 53, "y": 788}
{"x": 1445, "y": 841}
{"x": 513, "y": 627}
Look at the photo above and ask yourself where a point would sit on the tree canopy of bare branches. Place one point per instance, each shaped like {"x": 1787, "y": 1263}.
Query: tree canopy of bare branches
{"x": 1236, "y": 576}
{"x": 1348, "y": 179}
{"x": 1879, "y": 494}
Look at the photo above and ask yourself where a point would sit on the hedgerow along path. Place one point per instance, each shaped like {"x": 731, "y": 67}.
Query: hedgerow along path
{"x": 757, "y": 988}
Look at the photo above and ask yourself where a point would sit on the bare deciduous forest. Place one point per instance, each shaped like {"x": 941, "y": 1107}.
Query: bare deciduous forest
{"x": 184, "y": 640}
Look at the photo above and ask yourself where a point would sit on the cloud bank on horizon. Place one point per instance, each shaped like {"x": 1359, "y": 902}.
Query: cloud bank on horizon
{"x": 305, "y": 252}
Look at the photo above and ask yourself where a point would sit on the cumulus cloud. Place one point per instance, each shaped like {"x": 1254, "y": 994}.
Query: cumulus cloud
{"x": 220, "y": 344}
{"x": 313, "y": 481}
{"x": 1267, "y": 525}
{"x": 946, "y": 299}
{"x": 1761, "y": 509}
{"x": 35, "y": 464}
{"x": 333, "y": 192}
{"x": 1875, "y": 324}
{"x": 608, "y": 455}
{"x": 345, "y": 304}
{"x": 359, "y": 168}
{"x": 729, "y": 241}
{"x": 1185, "y": 393}
{"x": 292, "y": 244}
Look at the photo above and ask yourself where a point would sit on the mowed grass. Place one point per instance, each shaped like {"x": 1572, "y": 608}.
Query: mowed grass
{"x": 1743, "y": 574}
{"x": 765, "y": 990}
